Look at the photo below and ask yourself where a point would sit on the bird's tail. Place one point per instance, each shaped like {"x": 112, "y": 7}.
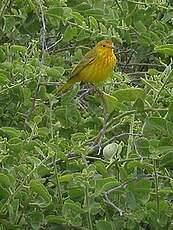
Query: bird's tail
{"x": 66, "y": 86}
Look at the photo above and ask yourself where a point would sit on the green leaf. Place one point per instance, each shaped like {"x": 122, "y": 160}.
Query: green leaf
{"x": 142, "y": 146}
{"x": 140, "y": 190}
{"x": 129, "y": 94}
{"x": 18, "y": 49}
{"x": 37, "y": 187}
{"x": 37, "y": 119}
{"x": 9, "y": 24}
{"x": 165, "y": 49}
{"x": 56, "y": 72}
{"x": 103, "y": 225}
{"x": 139, "y": 105}
{"x": 36, "y": 219}
{"x": 10, "y": 132}
{"x": 140, "y": 26}
{"x": 3, "y": 79}
{"x": 69, "y": 33}
{"x": 154, "y": 126}
{"x": 2, "y": 55}
{"x": 101, "y": 168}
{"x": 93, "y": 22}
{"x": 72, "y": 114}
{"x": 4, "y": 180}
{"x": 71, "y": 205}
{"x": 167, "y": 160}
{"x": 52, "y": 219}
{"x": 111, "y": 103}
{"x": 169, "y": 115}
{"x": 104, "y": 184}
{"x": 55, "y": 11}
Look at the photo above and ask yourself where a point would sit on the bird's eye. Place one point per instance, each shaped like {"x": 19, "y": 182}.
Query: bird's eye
{"x": 104, "y": 46}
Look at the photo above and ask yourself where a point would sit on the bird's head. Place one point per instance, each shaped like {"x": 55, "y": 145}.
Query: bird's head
{"x": 105, "y": 46}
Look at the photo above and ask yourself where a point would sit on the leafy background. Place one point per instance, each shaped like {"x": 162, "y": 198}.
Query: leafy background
{"x": 72, "y": 162}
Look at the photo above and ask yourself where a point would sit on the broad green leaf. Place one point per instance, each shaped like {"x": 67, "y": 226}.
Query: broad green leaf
{"x": 78, "y": 18}
{"x": 101, "y": 168}
{"x": 2, "y": 55}
{"x": 72, "y": 206}
{"x": 167, "y": 160}
{"x": 129, "y": 94}
{"x": 165, "y": 49}
{"x": 14, "y": 210}
{"x": 3, "y": 79}
{"x": 140, "y": 190}
{"x": 72, "y": 114}
{"x": 104, "y": 184}
{"x": 103, "y": 225}
{"x": 93, "y": 22}
{"x": 66, "y": 178}
{"x": 52, "y": 219}
{"x": 142, "y": 146}
{"x": 10, "y": 132}
{"x": 111, "y": 103}
{"x": 140, "y": 26}
{"x": 18, "y": 49}
{"x": 37, "y": 187}
{"x": 55, "y": 11}
{"x": 55, "y": 71}
{"x": 69, "y": 33}
{"x": 9, "y": 24}
{"x": 154, "y": 126}
{"x": 139, "y": 105}
{"x": 4, "y": 180}
{"x": 36, "y": 219}
{"x": 76, "y": 193}
{"x": 4, "y": 192}
{"x": 153, "y": 72}
{"x": 169, "y": 115}
{"x": 37, "y": 119}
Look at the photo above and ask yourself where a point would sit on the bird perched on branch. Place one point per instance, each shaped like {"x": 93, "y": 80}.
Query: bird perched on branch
{"x": 96, "y": 66}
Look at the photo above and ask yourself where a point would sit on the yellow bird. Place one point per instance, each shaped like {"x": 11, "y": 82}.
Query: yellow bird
{"x": 96, "y": 66}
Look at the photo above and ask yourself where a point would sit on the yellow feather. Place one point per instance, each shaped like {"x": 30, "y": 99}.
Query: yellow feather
{"x": 96, "y": 66}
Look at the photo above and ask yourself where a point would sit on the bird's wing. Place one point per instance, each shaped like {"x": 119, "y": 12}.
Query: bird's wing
{"x": 88, "y": 59}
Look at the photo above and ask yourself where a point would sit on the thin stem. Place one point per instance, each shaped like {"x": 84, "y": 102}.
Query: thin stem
{"x": 58, "y": 187}
{"x": 130, "y": 139}
{"x": 90, "y": 226}
{"x": 156, "y": 189}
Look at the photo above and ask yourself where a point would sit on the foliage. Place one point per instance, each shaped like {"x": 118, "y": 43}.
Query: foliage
{"x": 74, "y": 162}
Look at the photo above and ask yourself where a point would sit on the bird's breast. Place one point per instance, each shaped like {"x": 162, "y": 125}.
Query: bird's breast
{"x": 99, "y": 70}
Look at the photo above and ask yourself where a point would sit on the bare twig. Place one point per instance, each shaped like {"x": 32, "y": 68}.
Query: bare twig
{"x": 109, "y": 202}
{"x": 54, "y": 44}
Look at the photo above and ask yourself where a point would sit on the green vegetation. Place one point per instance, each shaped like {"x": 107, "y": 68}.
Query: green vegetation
{"x": 70, "y": 162}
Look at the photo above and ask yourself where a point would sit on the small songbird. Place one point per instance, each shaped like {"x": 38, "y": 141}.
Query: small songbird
{"x": 96, "y": 66}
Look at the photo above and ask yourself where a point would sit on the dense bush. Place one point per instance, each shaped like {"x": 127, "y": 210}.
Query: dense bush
{"x": 66, "y": 163}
